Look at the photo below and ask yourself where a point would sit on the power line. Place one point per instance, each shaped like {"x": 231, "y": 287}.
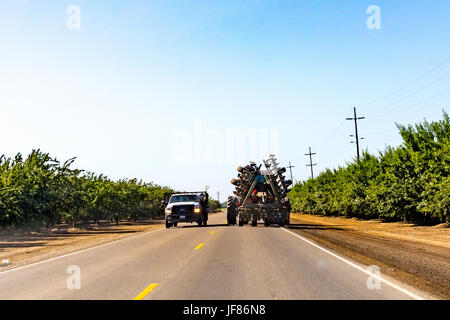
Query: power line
{"x": 412, "y": 94}
{"x": 414, "y": 106}
{"x": 310, "y": 162}
{"x": 444, "y": 109}
{"x": 411, "y": 82}
{"x": 290, "y": 169}
{"x": 337, "y": 128}
{"x": 355, "y": 118}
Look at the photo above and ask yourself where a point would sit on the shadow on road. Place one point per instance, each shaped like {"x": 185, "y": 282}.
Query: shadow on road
{"x": 21, "y": 245}
{"x": 227, "y": 225}
{"x": 208, "y": 226}
{"x": 303, "y": 226}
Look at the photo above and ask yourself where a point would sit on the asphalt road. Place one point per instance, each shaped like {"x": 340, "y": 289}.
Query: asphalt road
{"x": 214, "y": 262}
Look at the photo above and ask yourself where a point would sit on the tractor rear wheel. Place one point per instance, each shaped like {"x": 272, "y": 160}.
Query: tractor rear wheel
{"x": 287, "y": 221}
{"x": 231, "y": 210}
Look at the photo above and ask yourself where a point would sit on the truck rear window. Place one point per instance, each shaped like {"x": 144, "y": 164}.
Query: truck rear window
{"x": 183, "y": 198}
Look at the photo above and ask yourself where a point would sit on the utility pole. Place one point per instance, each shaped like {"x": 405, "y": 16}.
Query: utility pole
{"x": 355, "y": 118}
{"x": 310, "y": 154}
{"x": 218, "y": 196}
{"x": 290, "y": 169}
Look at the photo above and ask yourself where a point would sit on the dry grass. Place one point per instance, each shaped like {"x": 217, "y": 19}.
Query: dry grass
{"x": 436, "y": 235}
{"x": 24, "y": 248}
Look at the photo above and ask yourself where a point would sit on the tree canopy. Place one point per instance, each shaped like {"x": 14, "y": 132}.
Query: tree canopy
{"x": 409, "y": 182}
{"x": 39, "y": 190}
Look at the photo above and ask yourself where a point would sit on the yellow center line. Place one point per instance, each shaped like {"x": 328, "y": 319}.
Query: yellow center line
{"x": 199, "y": 246}
{"x": 146, "y": 291}
{"x": 212, "y": 232}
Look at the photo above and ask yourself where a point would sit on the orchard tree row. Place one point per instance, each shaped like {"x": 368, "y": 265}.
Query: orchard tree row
{"x": 41, "y": 191}
{"x": 409, "y": 182}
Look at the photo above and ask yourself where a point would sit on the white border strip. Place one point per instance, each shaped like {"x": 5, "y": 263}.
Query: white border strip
{"x": 80, "y": 251}
{"x": 393, "y": 285}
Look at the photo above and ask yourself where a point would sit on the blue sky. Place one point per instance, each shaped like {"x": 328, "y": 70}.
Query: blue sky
{"x": 113, "y": 92}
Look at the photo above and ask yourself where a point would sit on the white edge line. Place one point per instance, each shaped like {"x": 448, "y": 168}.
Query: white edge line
{"x": 393, "y": 285}
{"x": 80, "y": 251}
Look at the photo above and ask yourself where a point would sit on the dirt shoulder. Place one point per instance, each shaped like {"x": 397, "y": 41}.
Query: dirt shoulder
{"x": 416, "y": 255}
{"x": 19, "y": 249}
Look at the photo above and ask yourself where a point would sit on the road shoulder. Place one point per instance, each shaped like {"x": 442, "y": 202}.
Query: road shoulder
{"x": 20, "y": 249}
{"x": 417, "y": 263}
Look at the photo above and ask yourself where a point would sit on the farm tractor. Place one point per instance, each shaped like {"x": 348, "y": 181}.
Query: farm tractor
{"x": 260, "y": 195}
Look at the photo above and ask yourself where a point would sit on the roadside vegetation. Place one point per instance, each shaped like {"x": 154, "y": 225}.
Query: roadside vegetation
{"x": 410, "y": 182}
{"x": 40, "y": 191}
{"x": 214, "y": 205}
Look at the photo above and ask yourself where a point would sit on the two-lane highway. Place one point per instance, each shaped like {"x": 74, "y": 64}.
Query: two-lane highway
{"x": 214, "y": 262}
